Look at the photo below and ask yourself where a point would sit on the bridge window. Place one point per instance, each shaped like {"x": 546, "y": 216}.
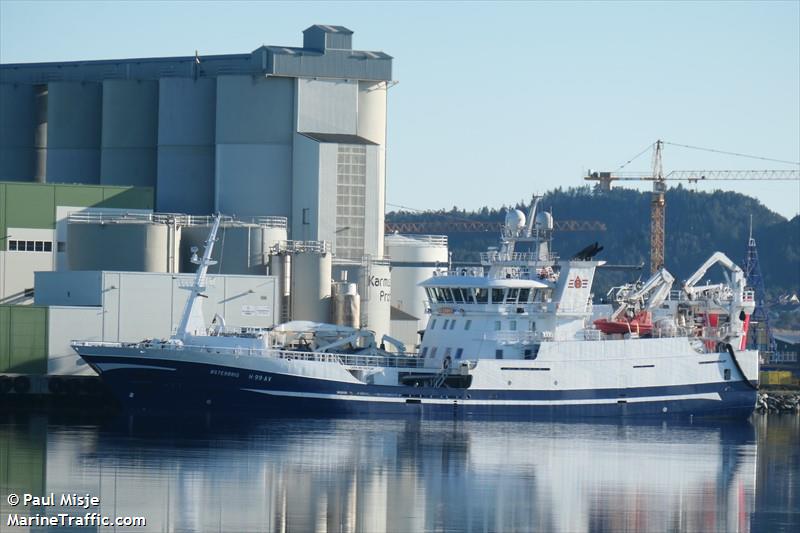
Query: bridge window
{"x": 448, "y": 296}
{"x": 524, "y": 294}
{"x": 511, "y": 296}
{"x": 431, "y": 295}
{"x": 497, "y": 296}
{"x": 459, "y": 353}
{"x": 458, "y": 296}
{"x": 482, "y": 296}
{"x": 467, "y": 325}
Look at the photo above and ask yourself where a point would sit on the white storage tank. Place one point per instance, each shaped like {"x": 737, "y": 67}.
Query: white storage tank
{"x": 243, "y": 246}
{"x": 346, "y": 304}
{"x": 414, "y": 259}
{"x": 127, "y": 242}
{"x": 374, "y": 289}
{"x": 311, "y": 284}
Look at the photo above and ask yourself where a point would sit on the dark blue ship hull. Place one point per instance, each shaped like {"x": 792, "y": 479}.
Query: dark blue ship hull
{"x": 190, "y": 387}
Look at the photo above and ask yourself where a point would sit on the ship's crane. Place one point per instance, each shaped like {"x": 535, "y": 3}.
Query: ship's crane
{"x": 659, "y": 179}
{"x": 647, "y": 297}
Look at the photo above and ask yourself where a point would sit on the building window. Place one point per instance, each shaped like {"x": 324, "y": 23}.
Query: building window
{"x": 30, "y": 246}
{"x": 467, "y": 325}
{"x": 459, "y": 352}
{"x": 351, "y": 186}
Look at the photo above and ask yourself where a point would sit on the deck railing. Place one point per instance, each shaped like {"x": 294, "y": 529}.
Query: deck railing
{"x": 347, "y": 360}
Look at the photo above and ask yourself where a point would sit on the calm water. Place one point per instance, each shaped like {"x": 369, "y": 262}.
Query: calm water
{"x": 409, "y": 476}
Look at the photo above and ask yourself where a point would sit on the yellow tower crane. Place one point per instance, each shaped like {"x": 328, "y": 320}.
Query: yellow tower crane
{"x": 659, "y": 179}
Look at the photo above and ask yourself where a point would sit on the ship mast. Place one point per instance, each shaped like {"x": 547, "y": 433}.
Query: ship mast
{"x": 192, "y": 318}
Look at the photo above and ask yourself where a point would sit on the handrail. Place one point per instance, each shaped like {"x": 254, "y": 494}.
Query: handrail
{"x": 348, "y": 360}
{"x": 179, "y": 219}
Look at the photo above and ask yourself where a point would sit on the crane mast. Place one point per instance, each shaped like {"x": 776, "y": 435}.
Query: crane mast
{"x": 658, "y": 199}
{"x": 657, "y": 212}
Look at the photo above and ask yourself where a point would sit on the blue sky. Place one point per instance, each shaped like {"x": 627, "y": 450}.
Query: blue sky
{"x": 500, "y": 100}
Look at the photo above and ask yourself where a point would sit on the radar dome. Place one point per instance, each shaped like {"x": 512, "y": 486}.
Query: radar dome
{"x": 515, "y": 219}
{"x": 544, "y": 220}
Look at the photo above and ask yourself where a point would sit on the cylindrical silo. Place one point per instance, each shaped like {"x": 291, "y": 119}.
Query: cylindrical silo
{"x": 73, "y": 132}
{"x": 346, "y": 304}
{"x": 186, "y": 123}
{"x": 375, "y": 289}
{"x": 130, "y": 130}
{"x": 17, "y": 130}
{"x": 243, "y": 246}
{"x": 40, "y": 133}
{"x": 413, "y": 259}
{"x": 372, "y": 111}
{"x": 110, "y": 244}
{"x": 311, "y": 286}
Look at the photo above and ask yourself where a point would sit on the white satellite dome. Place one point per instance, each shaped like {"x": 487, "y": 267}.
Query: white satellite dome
{"x": 544, "y": 220}
{"x": 515, "y": 219}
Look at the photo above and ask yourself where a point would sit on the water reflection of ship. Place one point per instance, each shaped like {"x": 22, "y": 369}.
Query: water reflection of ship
{"x": 348, "y": 475}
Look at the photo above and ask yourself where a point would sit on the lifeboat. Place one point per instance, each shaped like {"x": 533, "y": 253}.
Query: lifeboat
{"x": 641, "y": 324}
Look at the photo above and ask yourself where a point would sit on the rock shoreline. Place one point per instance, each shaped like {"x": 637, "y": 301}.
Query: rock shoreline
{"x": 770, "y": 402}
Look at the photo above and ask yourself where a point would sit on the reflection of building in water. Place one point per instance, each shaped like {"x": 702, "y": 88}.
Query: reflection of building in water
{"x": 778, "y": 473}
{"x": 351, "y": 476}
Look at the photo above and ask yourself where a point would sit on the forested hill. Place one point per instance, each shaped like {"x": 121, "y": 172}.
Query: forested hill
{"x": 697, "y": 224}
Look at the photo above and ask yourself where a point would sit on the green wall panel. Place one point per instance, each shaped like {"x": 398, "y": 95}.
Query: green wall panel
{"x": 29, "y": 205}
{"x": 3, "y": 231}
{"x": 133, "y": 197}
{"x": 78, "y": 195}
{"x": 23, "y": 349}
{"x": 33, "y": 205}
{"x": 5, "y": 338}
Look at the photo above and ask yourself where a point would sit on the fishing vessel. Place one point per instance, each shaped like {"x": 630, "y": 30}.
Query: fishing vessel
{"x": 516, "y": 337}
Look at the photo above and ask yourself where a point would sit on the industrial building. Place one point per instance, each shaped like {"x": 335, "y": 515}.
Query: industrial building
{"x": 110, "y": 169}
{"x": 33, "y": 227}
{"x": 279, "y": 131}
